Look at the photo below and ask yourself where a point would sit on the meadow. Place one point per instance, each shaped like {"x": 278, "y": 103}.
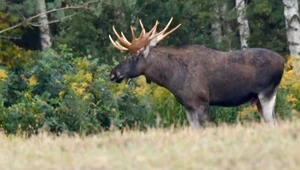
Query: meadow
{"x": 57, "y": 104}
{"x": 249, "y": 146}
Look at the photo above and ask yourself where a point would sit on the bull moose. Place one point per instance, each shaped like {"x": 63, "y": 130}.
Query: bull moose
{"x": 199, "y": 77}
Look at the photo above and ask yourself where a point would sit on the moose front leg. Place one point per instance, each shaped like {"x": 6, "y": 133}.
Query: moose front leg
{"x": 198, "y": 117}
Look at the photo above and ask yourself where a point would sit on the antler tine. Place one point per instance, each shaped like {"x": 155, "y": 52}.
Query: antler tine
{"x": 167, "y": 26}
{"x": 162, "y": 36}
{"x": 125, "y": 38}
{"x": 132, "y": 33}
{"x": 120, "y": 46}
{"x": 143, "y": 32}
{"x": 117, "y": 45}
{"x": 153, "y": 30}
{"x": 126, "y": 43}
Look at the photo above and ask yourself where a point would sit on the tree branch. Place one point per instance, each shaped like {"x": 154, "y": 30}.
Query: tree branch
{"x": 8, "y": 37}
{"x": 47, "y": 12}
{"x": 51, "y": 22}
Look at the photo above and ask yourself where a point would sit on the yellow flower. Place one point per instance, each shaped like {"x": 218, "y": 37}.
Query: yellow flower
{"x": 66, "y": 78}
{"x": 27, "y": 95}
{"x": 32, "y": 81}
{"x": 61, "y": 93}
{"x": 160, "y": 93}
{"x": 291, "y": 81}
{"x": 296, "y": 86}
{"x": 142, "y": 88}
{"x": 89, "y": 77}
{"x": 87, "y": 96}
{"x": 84, "y": 85}
{"x": 291, "y": 98}
{"x": 82, "y": 64}
{"x": 118, "y": 89}
{"x": 80, "y": 90}
{"x": 3, "y": 75}
{"x": 74, "y": 85}
{"x": 246, "y": 111}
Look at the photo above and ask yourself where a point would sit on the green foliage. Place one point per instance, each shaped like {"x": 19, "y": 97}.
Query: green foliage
{"x": 168, "y": 111}
{"x": 67, "y": 88}
{"x": 267, "y": 25}
{"x": 139, "y": 113}
{"x": 91, "y": 38}
{"x": 221, "y": 115}
{"x": 64, "y": 93}
{"x": 265, "y": 18}
{"x": 2, "y": 4}
{"x": 283, "y": 107}
{"x": 26, "y": 116}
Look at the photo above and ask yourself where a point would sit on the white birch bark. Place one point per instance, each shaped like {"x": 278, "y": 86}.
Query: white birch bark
{"x": 227, "y": 33}
{"x": 217, "y": 27}
{"x": 292, "y": 26}
{"x": 44, "y": 25}
{"x": 243, "y": 23}
{"x": 217, "y": 32}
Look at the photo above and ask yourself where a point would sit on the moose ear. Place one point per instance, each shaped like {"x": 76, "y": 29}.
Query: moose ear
{"x": 153, "y": 42}
{"x": 145, "y": 51}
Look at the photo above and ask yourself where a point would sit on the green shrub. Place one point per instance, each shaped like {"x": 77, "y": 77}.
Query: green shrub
{"x": 63, "y": 93}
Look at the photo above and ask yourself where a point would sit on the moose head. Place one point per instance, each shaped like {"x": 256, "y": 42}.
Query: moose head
{"x": 139, "y": 49}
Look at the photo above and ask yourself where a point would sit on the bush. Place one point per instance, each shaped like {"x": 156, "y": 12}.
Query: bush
{"x": 59, "y": 92}
{"x": 63, "y": 93}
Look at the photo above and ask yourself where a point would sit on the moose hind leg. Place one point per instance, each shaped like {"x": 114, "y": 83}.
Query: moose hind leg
{"x": 197, "y": 117}
{"x": 266, "y": 106}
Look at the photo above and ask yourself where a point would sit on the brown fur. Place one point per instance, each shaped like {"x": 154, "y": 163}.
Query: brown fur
{"x": 200, "y": 76}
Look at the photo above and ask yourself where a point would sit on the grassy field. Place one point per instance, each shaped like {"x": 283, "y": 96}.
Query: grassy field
{"x": 254, "y": 146}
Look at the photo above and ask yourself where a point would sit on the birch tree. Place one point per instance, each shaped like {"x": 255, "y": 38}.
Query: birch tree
{"x": 216, "y": 27}
{"x": 221, "y": 29}
{"x": 227, "y": 31}
{"x": 243, "y": 23}
{"x": 292, "y": 26}
{"x": 44, "y": 25}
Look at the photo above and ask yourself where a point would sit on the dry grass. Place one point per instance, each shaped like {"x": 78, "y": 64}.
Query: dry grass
{"x": 227, "y": 147}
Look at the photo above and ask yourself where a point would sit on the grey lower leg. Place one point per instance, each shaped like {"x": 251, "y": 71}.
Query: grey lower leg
{"x": 197, "y": 117}
{"x": 268, "y": 108}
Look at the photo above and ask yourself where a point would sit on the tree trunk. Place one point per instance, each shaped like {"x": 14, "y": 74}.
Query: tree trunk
{"x": 216, "y": 27}
{"x": 217, "y": 33}
{"x": 292, "y": 26}
{"x": 44, "y": 26}
{"x": 243, "y": 23}
{"x": 227, "y": 31}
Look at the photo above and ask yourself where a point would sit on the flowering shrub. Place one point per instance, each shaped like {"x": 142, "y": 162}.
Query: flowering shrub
{"x": 11, "y": 55}
{"x": 291, "y": 82}
{"x": 60, "y": 92}
{"x": 63, "y": 93}
{"x": 3, "y": 75}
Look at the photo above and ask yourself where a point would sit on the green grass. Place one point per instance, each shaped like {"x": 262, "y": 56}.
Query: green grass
{"x": 240, "y": 147}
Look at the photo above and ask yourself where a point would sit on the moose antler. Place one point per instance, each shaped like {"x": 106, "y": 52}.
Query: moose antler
{"x": 144, "y": 39}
